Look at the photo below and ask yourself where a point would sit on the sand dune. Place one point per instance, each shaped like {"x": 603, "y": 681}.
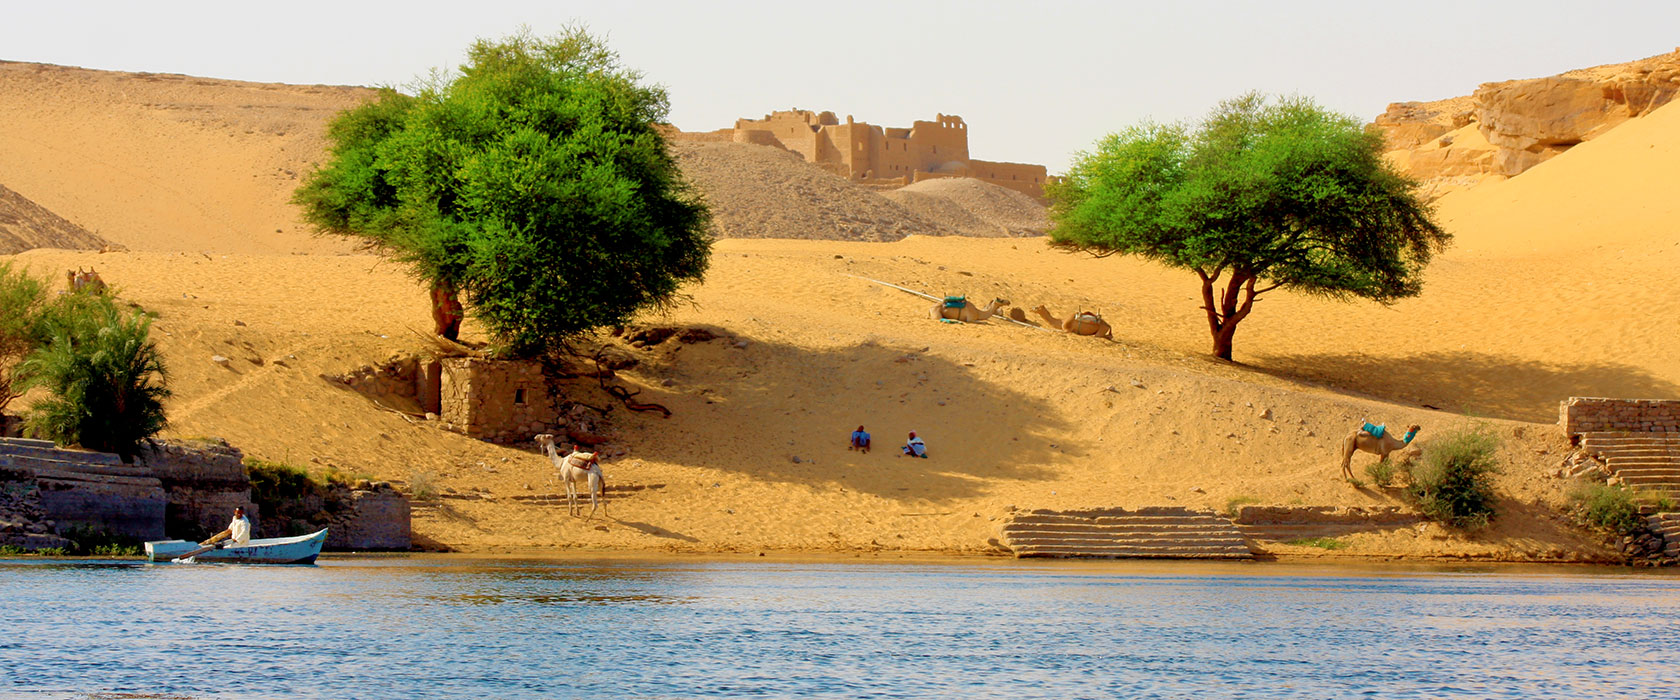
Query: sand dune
{"x": 1615, "y": 191}
{"x": 764, "y": 192}
{"x": 167, "y": 162}
{"x": 970, "y": 207}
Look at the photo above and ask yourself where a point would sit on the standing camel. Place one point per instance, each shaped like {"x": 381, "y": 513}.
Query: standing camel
{"x": 1082, "y": 323}
{"x": 576, "y": 467}
{"x": 1364, "y": 441}
{"x": 967, "y": 313}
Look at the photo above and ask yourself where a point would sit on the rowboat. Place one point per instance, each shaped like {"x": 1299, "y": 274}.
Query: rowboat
{"x": 275, "y": 550}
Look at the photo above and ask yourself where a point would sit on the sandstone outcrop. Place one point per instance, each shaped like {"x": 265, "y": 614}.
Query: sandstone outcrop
{"x": 1521, "y": 123}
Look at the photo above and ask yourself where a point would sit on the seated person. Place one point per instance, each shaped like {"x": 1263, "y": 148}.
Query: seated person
{"x": 915, "y": 447}
{"x": 860, "y": 440}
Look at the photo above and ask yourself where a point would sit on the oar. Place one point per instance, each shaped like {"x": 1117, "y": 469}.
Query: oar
{"x": 192, "y": 554}
{"x": 208, "y": 545}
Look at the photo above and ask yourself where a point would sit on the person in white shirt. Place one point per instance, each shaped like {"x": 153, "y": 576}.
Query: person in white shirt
{"x": 915, "y": 447}
{"x": 238, "y": 530}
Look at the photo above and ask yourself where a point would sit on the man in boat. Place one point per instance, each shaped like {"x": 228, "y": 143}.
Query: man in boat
{"x": 239, "y": 530}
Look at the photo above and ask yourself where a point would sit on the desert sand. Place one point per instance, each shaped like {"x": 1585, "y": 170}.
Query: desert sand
{"x": 1571, "y": 299}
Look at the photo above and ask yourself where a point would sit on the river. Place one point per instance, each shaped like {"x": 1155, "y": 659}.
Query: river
{"x": 466, "y": 627}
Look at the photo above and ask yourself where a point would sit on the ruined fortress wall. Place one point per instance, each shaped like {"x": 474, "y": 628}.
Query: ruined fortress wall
{"x": 496, "y": 400}
{"x": 375, "y": 519}
{"x": 1587, "y": 414}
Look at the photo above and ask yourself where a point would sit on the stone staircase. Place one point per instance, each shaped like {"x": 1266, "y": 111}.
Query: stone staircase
{"x": 1644, "y": 461}
{"x": 1648, "y": 462}
{"x": 1114, "y": 533}
{"x": 1667, "y": 525}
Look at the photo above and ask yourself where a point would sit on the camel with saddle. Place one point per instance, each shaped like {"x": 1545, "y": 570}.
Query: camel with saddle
{"x": 1375, "y": 439}
{"x": 1082, "y": 323}
{"x": 574, "y": 468}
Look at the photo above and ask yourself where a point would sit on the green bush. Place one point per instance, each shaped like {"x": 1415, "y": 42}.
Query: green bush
{"x": 1319, "y": 542}
{"x": 105, "y": 373}
{"x": 1607, "y": 507}
{"x": 21, "y": 299}
{"x": 1454, "y": 483}
{"x": 1381, "y": 472}
{"x": 91, "y": 541}
{"x": 289, "y": 499}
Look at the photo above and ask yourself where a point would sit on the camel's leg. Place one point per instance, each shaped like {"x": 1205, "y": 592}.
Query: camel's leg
{"x": 1348, "y": 447}
{"x": 597, "y": 485}
{"x": 571, "y": 495}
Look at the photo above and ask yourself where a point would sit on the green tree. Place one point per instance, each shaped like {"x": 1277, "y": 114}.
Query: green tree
{"x": 21, "y": 299}
{"x": 105, "y": 373}
{"x": 1261, "y": 195}
{"x": 534, "y": 182}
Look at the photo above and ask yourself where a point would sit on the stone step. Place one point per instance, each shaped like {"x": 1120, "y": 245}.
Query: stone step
{"x": 1649, "y": 479}
{"x": 1154, "y": 532}
{"x": 84, "y": 476}
{"x": 25, "y": 442}
{"x": 1121, "y": 520}
{"x": 54, "y": 453}
{"x": 39, "y": 463}
{"x": 1140, "y": 525}
{"x": 1131, "y": 553}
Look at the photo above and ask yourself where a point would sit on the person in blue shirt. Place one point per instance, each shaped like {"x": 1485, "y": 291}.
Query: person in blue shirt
{"x": 860, "y": 440}
{"x": 915, "y": 447}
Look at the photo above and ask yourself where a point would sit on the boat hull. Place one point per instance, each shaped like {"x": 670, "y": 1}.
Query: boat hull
{"x": 278, "y": 550}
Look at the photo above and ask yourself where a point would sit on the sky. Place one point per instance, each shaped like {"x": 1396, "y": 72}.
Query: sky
{"x": 1035, "y": 81}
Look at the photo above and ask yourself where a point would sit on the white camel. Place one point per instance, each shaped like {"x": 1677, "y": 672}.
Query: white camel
{"x": 575, "y": 467}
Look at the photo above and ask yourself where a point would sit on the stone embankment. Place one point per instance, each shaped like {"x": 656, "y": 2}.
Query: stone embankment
{"x": 183, "y": 489}
{"x": 1113, "y": 533}
{"x": 77, "y": 489}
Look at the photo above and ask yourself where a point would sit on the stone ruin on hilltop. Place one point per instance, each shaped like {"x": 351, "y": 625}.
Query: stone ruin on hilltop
{"x": 876, "y": 155}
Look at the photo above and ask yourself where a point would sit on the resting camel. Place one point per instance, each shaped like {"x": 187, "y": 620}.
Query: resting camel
{"x": 1082, "y": 323}
{"x": 1366, "y": 442}
{"x": 84, "y": 281}
{"x": 576, "y": 467}
{"x": 968, "y": 313}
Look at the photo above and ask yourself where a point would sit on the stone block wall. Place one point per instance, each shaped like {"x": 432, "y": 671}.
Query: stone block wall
{"x": 205, "y": 480}
{"x": 375, "y": 519}
{"x": 1587, "y": 415}
{"x": 497, "y": 400}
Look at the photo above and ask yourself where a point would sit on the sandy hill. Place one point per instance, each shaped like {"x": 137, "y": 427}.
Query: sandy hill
{"x": 765, "y": 192}
{"x": 167, "y": 162}
{"x": 25, "y": 225}
{"x": 970, "y": 207}
{"x": 1518, "y": 316}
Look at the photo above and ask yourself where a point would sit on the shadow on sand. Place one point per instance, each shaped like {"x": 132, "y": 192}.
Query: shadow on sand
{"x": 783, "y": 413}
{"x": 1472, "y": 383}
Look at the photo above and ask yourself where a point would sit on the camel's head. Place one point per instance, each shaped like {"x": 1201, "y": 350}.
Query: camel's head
{"x": 1000, "y": 302}
{"x": 1412, "y": 432}
{"x": 1040, "y": 309}
{"x": 543, "y": 439}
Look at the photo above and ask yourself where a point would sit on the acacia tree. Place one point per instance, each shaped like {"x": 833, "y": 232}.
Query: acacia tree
{"x": 533, "y": 181}
{"x": 1261, "y": 195}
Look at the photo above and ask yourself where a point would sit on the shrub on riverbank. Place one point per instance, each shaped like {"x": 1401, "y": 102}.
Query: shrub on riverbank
{"x": 291, "y": 501}
{"x": 1454, "y": 482}
{"x": 1607, "y": 507}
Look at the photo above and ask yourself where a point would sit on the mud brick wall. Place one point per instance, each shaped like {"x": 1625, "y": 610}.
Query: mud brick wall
{"x": 1588, "y": 415}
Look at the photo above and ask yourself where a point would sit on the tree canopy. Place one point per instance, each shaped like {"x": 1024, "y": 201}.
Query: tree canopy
{"x": 534, "y": 181}
{"x": 1262, "y": 194}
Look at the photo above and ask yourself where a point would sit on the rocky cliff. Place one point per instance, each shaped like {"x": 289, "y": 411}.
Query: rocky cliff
{"x": 1505, "y": 128}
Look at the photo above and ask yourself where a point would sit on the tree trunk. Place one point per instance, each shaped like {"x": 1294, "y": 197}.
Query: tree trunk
{"x": 446, "y": 310}
{"x": 1234, "y": 304}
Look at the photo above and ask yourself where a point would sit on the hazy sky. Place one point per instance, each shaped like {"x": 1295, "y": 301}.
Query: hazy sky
{"x": 1036, "y": 81}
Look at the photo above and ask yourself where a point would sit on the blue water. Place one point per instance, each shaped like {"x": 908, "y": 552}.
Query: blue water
{"x": 445, "y": 627}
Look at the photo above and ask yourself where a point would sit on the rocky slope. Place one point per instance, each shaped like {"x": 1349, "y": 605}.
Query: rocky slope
{"x": 1522, "y": 123}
